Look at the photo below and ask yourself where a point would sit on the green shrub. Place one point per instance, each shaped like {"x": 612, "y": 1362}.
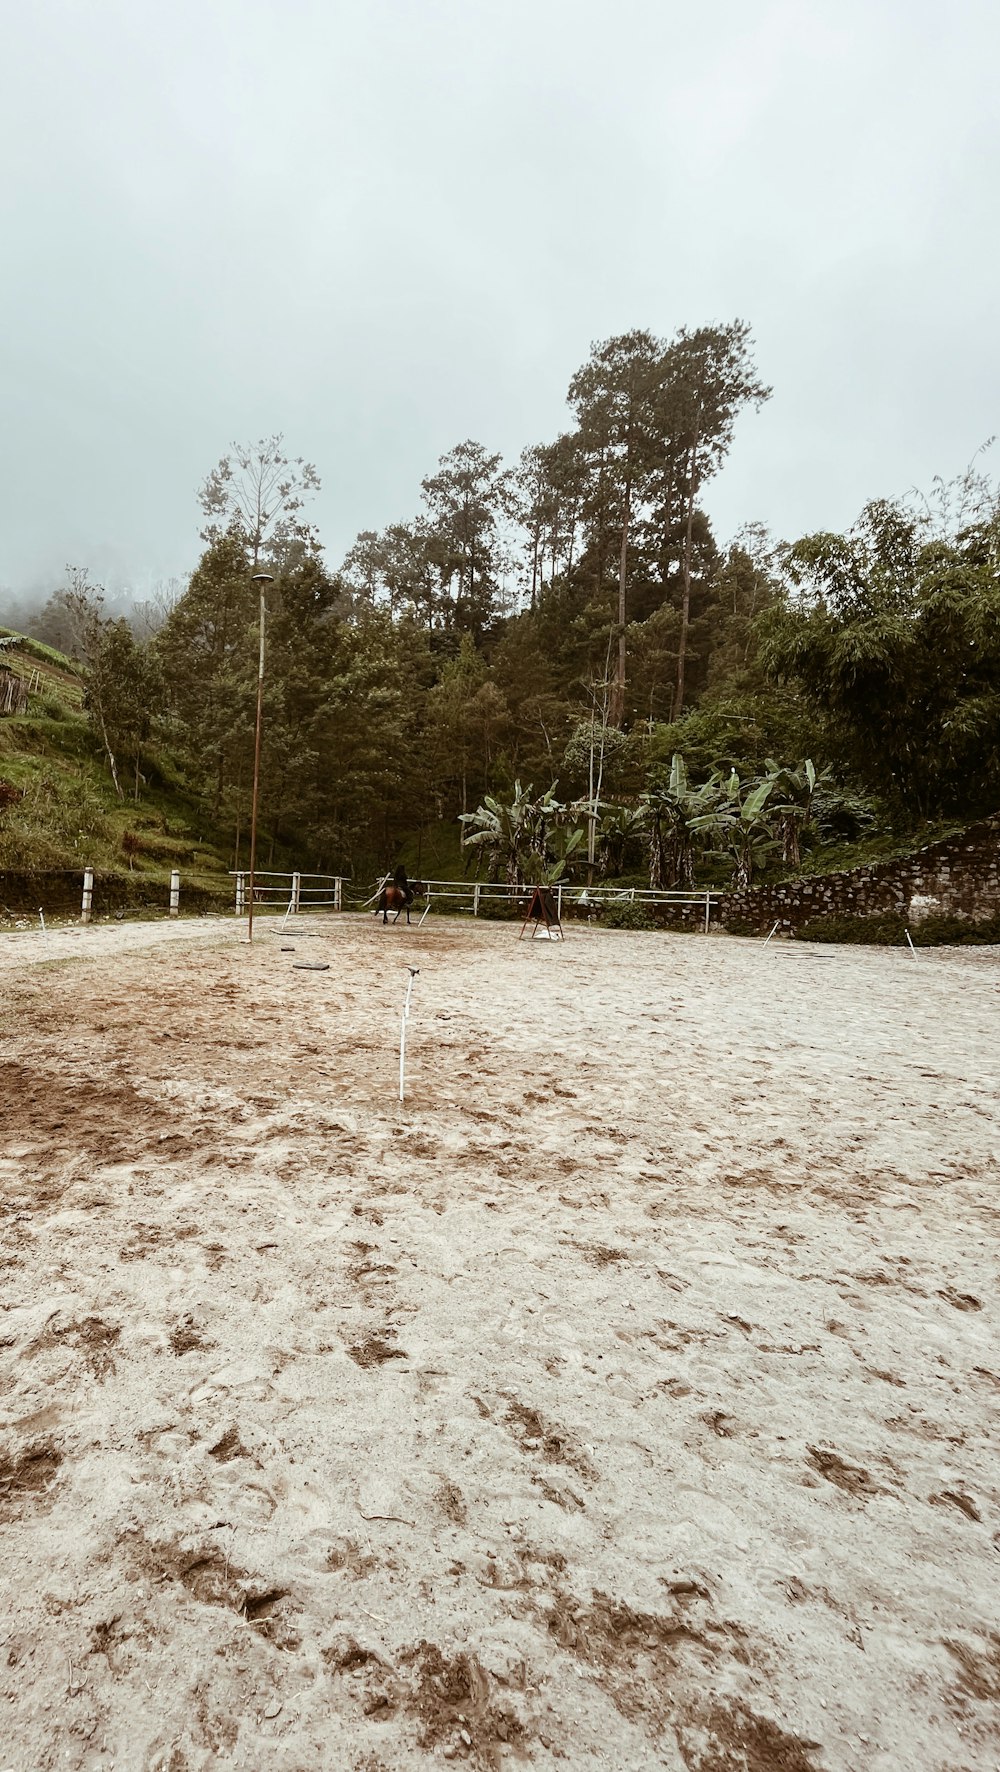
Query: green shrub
{"x": 626, "y": 914}
{"x": 889, "y": 930}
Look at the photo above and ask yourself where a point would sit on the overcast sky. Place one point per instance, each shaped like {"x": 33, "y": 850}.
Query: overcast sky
{"x": 383, "y": 226}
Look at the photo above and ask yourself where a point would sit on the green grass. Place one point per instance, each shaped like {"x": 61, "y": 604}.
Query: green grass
{"x": 69, "y": 814}
{"x": 837, "y": 858}
{"x": 38, "y": 650}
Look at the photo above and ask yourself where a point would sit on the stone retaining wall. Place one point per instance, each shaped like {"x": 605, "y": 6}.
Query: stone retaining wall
{"x": 959, "y": 877}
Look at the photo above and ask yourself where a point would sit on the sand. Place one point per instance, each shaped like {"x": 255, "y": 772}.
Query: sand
{"x": 626, "y": 1399}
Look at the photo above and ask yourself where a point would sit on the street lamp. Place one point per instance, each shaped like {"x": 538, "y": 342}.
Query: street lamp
{"x": 262, "y": 579}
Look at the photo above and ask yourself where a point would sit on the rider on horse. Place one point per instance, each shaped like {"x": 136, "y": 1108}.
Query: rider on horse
{"x": 398, "y": 897}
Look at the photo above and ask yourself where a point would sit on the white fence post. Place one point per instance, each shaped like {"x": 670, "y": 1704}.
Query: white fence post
{"x": 175, "y": 891}
{"x": 559, "y": 901}
{"x": 337, "y": 894}
{"x": 296, "y": 892}
{"x": 239, "y": 895}
{"x": 475, "y": 900}
{"x": 88, "y": 895}
{"x": 708, "y": 908}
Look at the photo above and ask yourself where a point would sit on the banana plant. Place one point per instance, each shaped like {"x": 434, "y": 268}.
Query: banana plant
{"x": 620, "y": 828}
{"x": 738, "y": 820}
{"x": 545, "y": 868}
{"x": 516, "y": 837}
{"x": 793, "y": 792}
{"x": 503, "y": 833}
{"x": 674, "y": 813}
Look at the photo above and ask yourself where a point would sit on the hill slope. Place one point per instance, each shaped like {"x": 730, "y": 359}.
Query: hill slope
{"x": 58, "y": 806}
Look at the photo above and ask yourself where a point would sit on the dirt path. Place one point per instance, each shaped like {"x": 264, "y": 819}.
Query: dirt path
{"x": 629, "y": 1399}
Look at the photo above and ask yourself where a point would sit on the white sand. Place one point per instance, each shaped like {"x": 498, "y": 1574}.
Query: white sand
{"x": 625, "y": 1400}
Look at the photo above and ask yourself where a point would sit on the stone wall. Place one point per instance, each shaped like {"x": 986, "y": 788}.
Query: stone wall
{"x": 957, "y": 877}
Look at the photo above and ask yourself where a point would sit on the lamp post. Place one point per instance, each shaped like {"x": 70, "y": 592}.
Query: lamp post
{"x": 261, "y": 579}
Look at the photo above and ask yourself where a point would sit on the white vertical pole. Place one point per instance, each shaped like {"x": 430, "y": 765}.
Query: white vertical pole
{"x": 337, "y": 893}
{"x": 239, "y": 895}
{"x": 41, "y": 916}
{"x": 88, "y": 895}
{"x": 475, "y": 899}
{"x": 708, "y": 909}
{"x": 913, "y": 950}
{"x": 296, "y": 891}
{"x": 175, "y": 891}
{"x": 559, "y": 902}
{"x": 413, "y": 970}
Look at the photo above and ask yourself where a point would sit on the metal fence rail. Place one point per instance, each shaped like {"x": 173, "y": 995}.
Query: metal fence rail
{"x": 298, "y": 892}
{"x": 572, "y": 896}
{"x": 295, "y": 892}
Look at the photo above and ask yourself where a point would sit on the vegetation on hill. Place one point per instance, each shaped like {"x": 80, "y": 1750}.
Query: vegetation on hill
{"x": 557, "y": 659}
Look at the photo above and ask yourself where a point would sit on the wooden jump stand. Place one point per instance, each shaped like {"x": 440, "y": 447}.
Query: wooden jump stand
{"x": 542, "y": 909}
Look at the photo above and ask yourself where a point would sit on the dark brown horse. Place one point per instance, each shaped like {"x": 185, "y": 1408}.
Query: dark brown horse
{"x": 397, "y": 895}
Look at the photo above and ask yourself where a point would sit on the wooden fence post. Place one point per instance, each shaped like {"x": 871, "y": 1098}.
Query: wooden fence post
{"x": 88, "y": 895}
{"x": 239, "y": 895}
{"x": 337, "y": 893}
{"x": 175, "y": 892}
{"x": 296, "y": 892}
{"x": 475, "y": 899}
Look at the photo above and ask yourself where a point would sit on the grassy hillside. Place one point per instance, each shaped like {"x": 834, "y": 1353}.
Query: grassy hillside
{"x": 67, "y": 813}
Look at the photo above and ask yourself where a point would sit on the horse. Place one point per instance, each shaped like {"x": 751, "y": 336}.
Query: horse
{"x": 397, "y": 895}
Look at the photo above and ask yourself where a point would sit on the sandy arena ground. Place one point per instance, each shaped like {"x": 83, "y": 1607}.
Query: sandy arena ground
{"x": 628, "y": 1399}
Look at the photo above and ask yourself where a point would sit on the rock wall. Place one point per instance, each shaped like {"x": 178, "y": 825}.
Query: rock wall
{"x": 959, "y": 877}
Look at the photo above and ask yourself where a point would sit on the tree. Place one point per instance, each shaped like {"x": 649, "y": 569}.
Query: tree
{"x": 792, "y": 794}
{"x": 466, "y": 717}
{"x": 258, "y": 492}
{"x": 614, "y": 397}
{"x": 120, "y": 695}
{"x": 206, "y": 651}
{"x": 466, "y": 499}
{"x": 738, "y": 821}
{"x": 620, "y": 835}
{"x": 516, "y": 836}
{"x": 673, "y": 811}
{"x": 892, "y": 635}
{"x": 709, "y": 378}
{"x": 401, "y": 568}
{"x": 72, "y": 617}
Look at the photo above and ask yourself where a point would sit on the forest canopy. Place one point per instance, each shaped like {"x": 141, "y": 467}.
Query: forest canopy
{"x": 567, "y": 625}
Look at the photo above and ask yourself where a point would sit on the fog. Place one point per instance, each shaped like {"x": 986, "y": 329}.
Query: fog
{"x": 384, "y": 228}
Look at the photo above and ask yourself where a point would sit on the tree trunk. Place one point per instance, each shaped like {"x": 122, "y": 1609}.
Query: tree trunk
{"x": 110, "y": 753}
{"x": 617, "y": 710}
{"x": 678, "y": 707}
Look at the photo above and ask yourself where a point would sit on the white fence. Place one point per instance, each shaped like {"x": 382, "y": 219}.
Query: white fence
{"x": 289, "y": 892}
{"x": 572, "y": 897}
{"x": 299, "y": 892}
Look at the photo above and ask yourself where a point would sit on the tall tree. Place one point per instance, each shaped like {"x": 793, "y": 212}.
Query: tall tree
{"x": 892, "y": 633}
{"x": 709, "y": 378}
{"x": 466, "y": 500}
{"x": 206, "y": 652}
{"x": 614, "y": 397}
{"x": 260, "y": 492}
{"x": 120, "y": 694}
